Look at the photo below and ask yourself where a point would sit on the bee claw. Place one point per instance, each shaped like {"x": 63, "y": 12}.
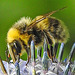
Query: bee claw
{"x": 28, "y": 59}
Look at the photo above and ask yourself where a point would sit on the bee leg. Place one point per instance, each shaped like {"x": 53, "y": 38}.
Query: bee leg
{"x": 50, "y": 41}
{"x": 48, "y": 52}
{"x": 29, "y": 55}
{"x": 51, "y": 52}
{"x": 28, "y": 59}
{"x": 55, "y": 48}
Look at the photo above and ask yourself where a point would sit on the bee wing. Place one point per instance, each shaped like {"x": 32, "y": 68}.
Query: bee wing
{"x": 42, "y": 18}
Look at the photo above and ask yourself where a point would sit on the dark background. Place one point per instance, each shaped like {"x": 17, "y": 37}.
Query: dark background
{"x": 11, "y": 11}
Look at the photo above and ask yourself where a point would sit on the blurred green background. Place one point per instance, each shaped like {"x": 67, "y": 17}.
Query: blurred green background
{"x": 13, "y": 10}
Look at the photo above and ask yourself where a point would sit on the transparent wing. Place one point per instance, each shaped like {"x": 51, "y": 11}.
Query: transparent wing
{"x": 33, "y": 23}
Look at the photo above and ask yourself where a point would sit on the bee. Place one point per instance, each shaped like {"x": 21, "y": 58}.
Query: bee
{"x": 25, "y": 30}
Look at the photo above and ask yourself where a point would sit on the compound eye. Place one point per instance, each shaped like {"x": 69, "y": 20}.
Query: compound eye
{"x": 17, "y": 47}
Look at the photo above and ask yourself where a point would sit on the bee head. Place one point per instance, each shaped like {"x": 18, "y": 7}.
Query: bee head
{"x": 17, "y": 41}
{"x": 16, "y": 47}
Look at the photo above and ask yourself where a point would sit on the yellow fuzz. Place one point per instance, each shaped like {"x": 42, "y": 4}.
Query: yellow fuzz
{"x": 14, "y": 34}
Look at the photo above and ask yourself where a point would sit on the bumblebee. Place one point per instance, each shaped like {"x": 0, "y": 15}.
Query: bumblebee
{"x": 25, "y": 30}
